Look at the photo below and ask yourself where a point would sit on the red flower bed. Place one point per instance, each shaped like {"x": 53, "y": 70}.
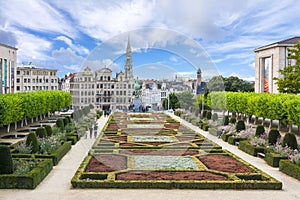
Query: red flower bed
{"x": 152, "y": 175}
{"x": 107, "y": 163}
{"x": 224, "y": 163}
{"x": 173, "y": 126}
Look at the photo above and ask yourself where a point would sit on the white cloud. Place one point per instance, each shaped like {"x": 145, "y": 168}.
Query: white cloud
{"x": 76, "y": 47}
{"x": 67, "y": 56}
{"x": 31, "y": 47}
{"x": 250, "y": 78}
{"x": 35, "y": 15}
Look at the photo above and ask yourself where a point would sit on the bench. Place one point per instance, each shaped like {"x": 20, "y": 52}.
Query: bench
{"x": 261, "y": 155}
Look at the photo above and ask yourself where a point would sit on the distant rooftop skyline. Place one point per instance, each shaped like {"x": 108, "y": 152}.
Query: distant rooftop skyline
{"x": 60, "y": 35}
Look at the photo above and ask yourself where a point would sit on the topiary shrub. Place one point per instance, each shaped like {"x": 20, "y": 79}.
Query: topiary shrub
{"x": 273, "y": 136}
{"x": 260, "y": 129}
{"x": 208, "y": 115}
{"x": 33, "y": 142}
{"x": 232, "y": 120}
{"x": 225, "y": 120}
{"x": 48, "y": 130}
{"x": 214, "y": 117}
{"x": 297, "y": 160}
{"x": 204, "y": 113}
{"x": 41, "y": 132}
{"x": 240, "y": 126}
{"x": 6, "y": 162}
{"x": 290, "y": 140}
{"x": 60, "y": 124}
{"x": 66, "y": 121}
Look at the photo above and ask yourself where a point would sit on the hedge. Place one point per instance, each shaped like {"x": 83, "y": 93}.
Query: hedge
{"x": 290, "y": 169}
{"x": 248, "y": 148}
{"x": 273, "y": 159}
{"x": 56, "y": 156}
{"x": 29, "y": 180}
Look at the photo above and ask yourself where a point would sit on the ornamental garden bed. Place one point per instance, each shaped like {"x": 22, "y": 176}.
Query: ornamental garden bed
{"x": 179, "y": 159}
{"x": 29, "y": 180}
{"x": 289, "y": 168}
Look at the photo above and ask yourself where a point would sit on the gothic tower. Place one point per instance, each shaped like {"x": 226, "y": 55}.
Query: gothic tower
{"x": 198, "y": 83}
{"x": 128, "y": 64}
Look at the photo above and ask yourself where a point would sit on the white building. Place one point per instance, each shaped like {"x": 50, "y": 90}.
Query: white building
{"x": 268, "y": 60}
{"x": 8, "y": 63}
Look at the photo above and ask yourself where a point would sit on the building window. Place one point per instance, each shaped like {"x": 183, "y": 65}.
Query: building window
{"x": 29, "y": 80}
{"x": 25, "y": 80}
{"x": 18, "y": 80}
{"x": 18, "y": 88}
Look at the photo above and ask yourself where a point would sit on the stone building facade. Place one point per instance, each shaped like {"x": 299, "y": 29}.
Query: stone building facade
{"x": 29, "y": 78}
{"x": 268, "y": 60}
{"x": 8, "y": 63}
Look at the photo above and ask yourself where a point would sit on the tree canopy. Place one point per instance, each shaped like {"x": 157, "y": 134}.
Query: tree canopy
{"x": 229, "y": 84}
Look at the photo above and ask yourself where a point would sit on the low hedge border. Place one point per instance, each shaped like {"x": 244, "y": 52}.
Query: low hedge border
{"x": 273, "y": 159}
{"x": 233, "y": 140}
{"x": 73, "y": 138}
{"x": 56, "y": 156}
{"x": 290, "y": 168}
{"x": 29, "y": 180}
{"x": 248, "y": 148}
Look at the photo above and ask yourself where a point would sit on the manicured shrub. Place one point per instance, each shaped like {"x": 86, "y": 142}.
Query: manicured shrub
{"x": 273, "y": 136}
{"x": 225, "y": 121}
{"x": 232, "y": 120}
{"x": 33, "y": 142}
{"x": 48, "y": 130}
{"x": 6, "y": 162}
{"x": 204, "y": 113}
{"x": 66, "y": 121}
{"x": 297, "y": 160}
{"x": 41, "y": 132}
{"x": 290, "y": 140}
{"x": 215, "y": 117}
{"x": 60, "y": 124}
{"x": 208, "y": 115}
{"x": 240, "y": 126}
{"x": 260, "y": 129}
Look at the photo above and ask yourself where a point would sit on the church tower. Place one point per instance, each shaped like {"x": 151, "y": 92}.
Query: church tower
{"x": 128, "y": 64}
{"x": 198, "y": 83}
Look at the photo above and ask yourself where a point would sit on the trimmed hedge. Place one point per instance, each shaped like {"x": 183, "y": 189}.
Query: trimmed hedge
{"x": 290, "y": 168}
{"x": 29, "y": 180}
{"x": 6, "y": 163}
{"x": 41, "y": 132}
{"x": 233, "y": 140}
{"x": 56, "y": 156}
{"x": 250, "y": 149}
{"x": 273, "y": 159}
{"x": 32, "y": 140}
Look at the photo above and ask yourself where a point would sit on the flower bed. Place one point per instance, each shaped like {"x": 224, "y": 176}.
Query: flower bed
{"x": 143, "y": 158}
{"x": 29, "y": 180}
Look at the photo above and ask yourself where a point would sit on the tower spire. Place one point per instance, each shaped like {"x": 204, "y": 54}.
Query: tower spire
{"x": 128, "y": 64}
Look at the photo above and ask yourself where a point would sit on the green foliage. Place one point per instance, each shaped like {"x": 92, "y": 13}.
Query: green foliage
{"x": 41, "y": 132}
{"x": 20, "y": 106}
{"x": 260, "y": 129}
{"x": 225, "y": 120}
{"x": 290, "y": 140}
{"x": 48, "y": 130}
{"x": 289, "y": 81}
{"x": 66, "y": 121}
{"x": 273, "y": 136}
{"x": 178, "y": 113}
{"x": 60, "y": 124}
{"x": 22, "y": 167}
{"x": 290, "y": 168}
{"x": 208, "y": 115}
{"x": 6, "y": 163}
{"x": 70, "y": 127}
{"x": 32, "y": 141}
{"x": 240, "y": 126}
{"x": 23, "y": 148}
{"x": 297, "y": 160}
{"x": 232, "y": 120}
{"x": 204, "y": 113}
{"x": 186, "y": 100}
{"x": 215, "y": 117}
{"x": 229, "y": 84}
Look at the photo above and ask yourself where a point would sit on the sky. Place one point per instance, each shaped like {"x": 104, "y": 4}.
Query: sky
{"x": 167, "y": 36}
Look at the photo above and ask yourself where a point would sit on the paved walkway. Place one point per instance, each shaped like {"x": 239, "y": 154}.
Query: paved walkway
{"x": 57, "y": 184}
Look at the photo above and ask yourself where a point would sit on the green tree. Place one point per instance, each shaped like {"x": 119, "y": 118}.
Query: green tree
{"x": 186, "y": 100}
{"x": 174, "y": 103}
{"x": 290, "y": 80}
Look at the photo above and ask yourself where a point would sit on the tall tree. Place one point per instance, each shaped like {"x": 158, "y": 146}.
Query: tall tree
{"x": 186, "y": 100}
{"x": 290, "y": 80}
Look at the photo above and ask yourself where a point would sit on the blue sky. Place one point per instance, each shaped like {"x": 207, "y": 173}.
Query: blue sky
{"x": 65, "y": 34}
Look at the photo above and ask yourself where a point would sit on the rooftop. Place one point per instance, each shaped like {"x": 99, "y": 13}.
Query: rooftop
{"x": 287, "y": 42}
